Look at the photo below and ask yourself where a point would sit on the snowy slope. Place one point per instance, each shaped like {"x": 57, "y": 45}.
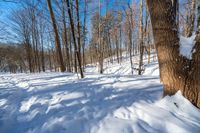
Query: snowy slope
{"x": 124, "y": 68}
{"x": 115, "y": 102}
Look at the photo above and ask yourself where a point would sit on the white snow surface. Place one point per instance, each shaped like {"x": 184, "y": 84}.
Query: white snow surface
{"x": 114, "y": 102}
{"x": 186, "y": 46}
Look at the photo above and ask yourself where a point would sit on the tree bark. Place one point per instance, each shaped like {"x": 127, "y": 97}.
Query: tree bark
{"x": 190, "y": 18}
{"x": 57, "y": 40}
{"x": 74, "y": 39}
{"x": 176, "y": 71}
{"x": 65, "y": 41}
{"x": 130, "y": 34}
{"x": 84, "y": 33}
{"x": 141, "y": 47}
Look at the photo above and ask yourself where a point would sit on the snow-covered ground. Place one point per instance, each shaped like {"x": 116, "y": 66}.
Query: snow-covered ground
{"x": 115, "y": 102}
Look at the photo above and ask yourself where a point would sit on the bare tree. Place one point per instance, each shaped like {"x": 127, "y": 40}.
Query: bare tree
{"x": 141, "y": 45}
{"x": 73, "y": 35}
{"x": 65, "y": 41}
{"x": 57, "y": 40}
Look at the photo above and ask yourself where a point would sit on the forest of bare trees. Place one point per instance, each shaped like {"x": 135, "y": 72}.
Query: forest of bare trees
{"x": 67, "y": 35}
{"x": 55, "y": 36}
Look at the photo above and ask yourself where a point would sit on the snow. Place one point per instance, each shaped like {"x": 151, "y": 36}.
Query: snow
{"x": 167, "y": 115}
{"x": 124, "y": 68}
{"x": 186, "y": 46}
{"x": 114, "y": 102}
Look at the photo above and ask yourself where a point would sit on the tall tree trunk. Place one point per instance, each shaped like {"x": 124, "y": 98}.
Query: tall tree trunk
{"x": 74, "y": 39}
{"x": 50, "y": 64}
{"x": 120, "y": 45}
{"x": 173, "y": 71}
{"x": 65, "y": 41}
{"x": 42, "y": 45}
{"x": 130, "y": 32}
{"x": 192, "y": 87}
{"x": 42, "y": 58}
{"x": 70, "y": 49}
{"x": 57, "y": 40}
{"x": 141, "y": 45}
{"x": 84, "y": 33}
{"x": 147, "y": 35}
{"x": 101, "y": 47}
{"x": 79, "y": 36}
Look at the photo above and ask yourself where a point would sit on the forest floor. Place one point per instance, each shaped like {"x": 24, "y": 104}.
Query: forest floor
{"x": 114, "y": 102}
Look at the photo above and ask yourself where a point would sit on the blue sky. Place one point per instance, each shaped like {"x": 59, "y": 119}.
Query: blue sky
{"x": 7, "y": 7}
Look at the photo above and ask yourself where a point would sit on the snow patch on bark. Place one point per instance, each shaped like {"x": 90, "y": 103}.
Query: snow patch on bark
{"x": 186, "y": 46}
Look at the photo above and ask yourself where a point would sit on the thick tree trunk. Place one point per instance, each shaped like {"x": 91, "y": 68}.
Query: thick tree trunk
{"x": 176, "y": 71}
{"x": 57, "y": 40}
{"x": 192, "y": 87}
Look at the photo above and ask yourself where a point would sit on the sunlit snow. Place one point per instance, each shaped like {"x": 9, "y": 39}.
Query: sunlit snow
{"x": 186, "y": 46}
{"x": 114, "y": 102}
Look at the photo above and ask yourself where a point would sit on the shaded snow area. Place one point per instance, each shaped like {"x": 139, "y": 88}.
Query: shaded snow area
{"x": 109, "y": 103}
{"x": 186, "y": 46}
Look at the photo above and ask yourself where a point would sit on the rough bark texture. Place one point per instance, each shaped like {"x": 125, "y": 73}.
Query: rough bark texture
{"x": 190, "y": 18}
{"x": 176, "y": 71}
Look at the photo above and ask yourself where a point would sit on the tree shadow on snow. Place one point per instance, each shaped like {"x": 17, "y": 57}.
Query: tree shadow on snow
{"x": 74, "y": 106}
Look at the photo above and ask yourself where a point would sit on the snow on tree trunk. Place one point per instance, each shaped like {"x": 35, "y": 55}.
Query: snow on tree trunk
{"x": 176, "y": 71}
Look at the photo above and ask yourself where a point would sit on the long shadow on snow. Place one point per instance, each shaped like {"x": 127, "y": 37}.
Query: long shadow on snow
{"x": 100, "y": 99}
